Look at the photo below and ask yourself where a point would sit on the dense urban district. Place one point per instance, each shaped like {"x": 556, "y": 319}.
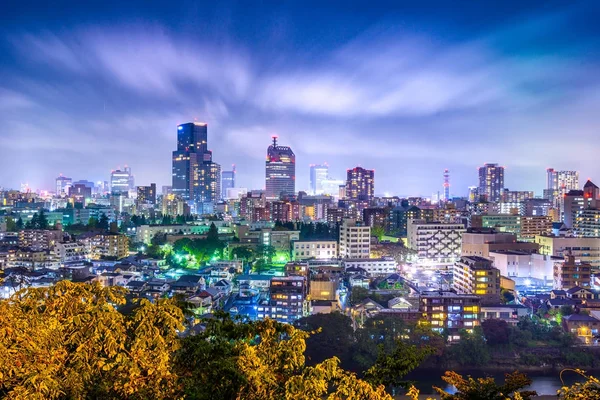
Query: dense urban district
{"x": 212, "y": 291}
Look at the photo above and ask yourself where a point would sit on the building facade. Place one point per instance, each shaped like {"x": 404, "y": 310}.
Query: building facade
{"x": 491, "y": 182}
{"x": 318, "y": 249}
{"x": 477, "y": 275}
{"x": 280, "y": 171}
{"x": 435, "y": 242}
{"x": 571, "y": 273}
{"x": 360, "y": 185}
{"x": 355, "y": 239}
{"x": 318, "y": 174}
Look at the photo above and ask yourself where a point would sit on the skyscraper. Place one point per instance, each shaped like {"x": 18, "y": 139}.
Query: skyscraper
{"x": 360, "y": 185}
{"x": 280, "y": 171}
{"x": 491, "y": 182}
{"x": 192, "y": 140}
{"x": 196, "y": 177}
{"x": 559, "y": 183}
{"x": 119, "y": 182}
{"x": 62, "y": 185}
{"x": 227, "y": 181}
{"x": 318, "y": 174}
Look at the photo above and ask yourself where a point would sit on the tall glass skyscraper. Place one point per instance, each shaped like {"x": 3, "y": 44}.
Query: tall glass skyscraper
{"x": 227, "y": 181}
{"x": 491, "y": 182}
{"x": 280, "y": 171}
{"x": 318, "y": 174}
{"x": 196, "y": 178}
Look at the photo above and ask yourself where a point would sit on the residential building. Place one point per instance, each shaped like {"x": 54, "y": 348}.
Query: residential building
{"x": 570, "y": 273}
{"x": 39, "y": 239}
{"x": 477, "y": 275}
{"x": 360, "y": 186}
{"x": 318, "y": 249}
{"x": 534, "y": 226}
{"x": 323, "y": 288}
{"x": 373, "y": 266}
{"x": 510, "y": 313}
{"x": 287, "y": 299}
{"x": 435, "y": 242}
{"x": 587, "y": 223}
{"x": 582, "y": 248}
{"x": 450, "y": 311}
{"x": 491, "y": 182}
{"x": 355, "y": 239}
{"x": 71, "y": 253}
{"x": 585, "y": 328}
{"x": 559, "y": 183}
{"x": 112, "y": 245}
{"x": 280, "y": 171}
{"x": 80, "y": 193}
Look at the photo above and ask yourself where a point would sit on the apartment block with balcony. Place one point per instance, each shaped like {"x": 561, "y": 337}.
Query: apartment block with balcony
{"x": 287, "y": 300}
{"x": 355, "y": 239}
{"x": 477, "y": 275}
{"x": 571, "y": 273}
{"x": 450, "y": 311}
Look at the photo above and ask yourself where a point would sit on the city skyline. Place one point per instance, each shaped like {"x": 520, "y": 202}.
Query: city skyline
{"x": 84, "y": 94}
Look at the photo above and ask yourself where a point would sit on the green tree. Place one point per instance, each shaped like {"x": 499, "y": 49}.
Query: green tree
{"x": 92, "y": 223}
{"x": 213, "y": 233}
{"x": 11, "y": 225}
{"x": 471, "y": 349}
{"x": 20, "y": 224}
{"x": 378, "y": 232}
{"x": 103, "y": 222}
{"x": 358, "y": 294}
{"x": 332, "y": 336}
{"x": 496, "y": 331}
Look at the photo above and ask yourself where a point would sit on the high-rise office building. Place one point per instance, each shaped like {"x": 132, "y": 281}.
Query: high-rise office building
{"x": 318, "y": 174}
{"x": 146, "y": 195}
{"x": 131, "y": 177}
{"x": 227, "y": 181}
{"x": 196, "y": 177}
{"x": 446, "y": 185}
{"x": 192, "y": 140}
{"x": 491, "y": 182}
{"x": 119, "y": 182}
{"x": 280, "y": 171}
{"x": 62, "y": 185}
{"x": 360, "y": 185}
{"x": 559, "y": 183}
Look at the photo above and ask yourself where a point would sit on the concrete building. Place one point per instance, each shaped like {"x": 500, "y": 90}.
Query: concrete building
{"x": 287, "y": 300}
{"x": 360, "y": 186}
{"x": 582, "y": 248}
{"x": 450, "y": 311}
{"x": 280, "y": 171}
{"x": 477, "y": 275}
{"x": 373, "y": 266}
{"x": 71, "y": 253}
{"x": 570, "y": 273}
{"x": 146, "y": 195}
{"x": 587, "y": 223}
{"x": 355, "y": 239}
{"x": 62, "y": 185}
{"x": 39, "y": 239}
{"x": 534, "y": 226}
{"x": 318, "y": 249}
{"x": 524, "y": 265}
{"x": 227, "y": 182}
{"x": 318, "y": 174}
{"x": 111, "y": 245}
{"x": 481, "y": 241}
{"x": 501, "y": 222}
{"x": 435, "y": 242}
{"x": 491, "y": 182}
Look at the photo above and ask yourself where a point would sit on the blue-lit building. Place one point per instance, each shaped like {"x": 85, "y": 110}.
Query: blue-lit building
{"x": 227, "y": 181}
{"x": 196, "y": 177}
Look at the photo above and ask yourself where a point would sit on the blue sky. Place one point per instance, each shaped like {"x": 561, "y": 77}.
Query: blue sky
{"x": 404, "y": 89}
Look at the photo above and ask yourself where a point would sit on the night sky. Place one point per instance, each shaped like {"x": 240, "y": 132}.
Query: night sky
{"x": 407, "y": 91}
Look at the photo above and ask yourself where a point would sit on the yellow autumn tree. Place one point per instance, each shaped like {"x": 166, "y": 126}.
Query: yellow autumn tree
{"x": 69, "y": 341}
{"x": 274, "y": 368}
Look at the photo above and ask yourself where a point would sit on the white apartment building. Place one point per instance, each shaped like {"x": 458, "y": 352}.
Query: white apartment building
{"x": 373, "y": 266}
{"x": 72, "y": 252}
{"x": 317, "y": 249}
{"x": 435, "y": 242}
{"x": 355, "y": 239}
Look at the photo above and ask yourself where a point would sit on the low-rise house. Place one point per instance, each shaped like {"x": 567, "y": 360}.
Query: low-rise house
{"x": 224, "y": 286}
{"x": 584, "y": 327}
{"x": 506, "y": 312}
{"x": 359, "y": 280}
{"x": 137, "y": 286}
{"x": 188, "y": 284}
